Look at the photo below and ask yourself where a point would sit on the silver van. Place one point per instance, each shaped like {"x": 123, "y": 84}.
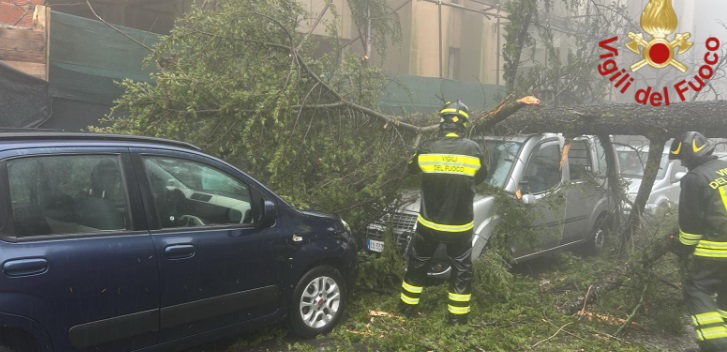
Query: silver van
{"x": 665, "y": 192}
{"x": 569, "y": 204}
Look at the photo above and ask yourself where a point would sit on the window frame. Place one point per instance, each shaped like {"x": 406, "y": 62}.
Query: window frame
{"x": 136, "y": 223}
{"x": 531, "y": 157}
{"x": 601, "y": 159}
{"x": 150, "y": 205}
{"x": 590, "y": 165}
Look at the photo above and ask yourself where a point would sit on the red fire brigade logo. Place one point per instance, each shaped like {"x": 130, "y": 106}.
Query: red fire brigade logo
{"x": 659, "y": 20}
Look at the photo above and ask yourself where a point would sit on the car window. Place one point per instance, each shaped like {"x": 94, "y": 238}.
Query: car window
{"x": 579, "y": 161}
{"x": 500, "y": 156}
{"x": 188, "y": 193}
{"x": 600, "y": 163}
{"x": 631, "y": 162}
{"x": 542, "y": 171}
{"x": 67, "y": 194}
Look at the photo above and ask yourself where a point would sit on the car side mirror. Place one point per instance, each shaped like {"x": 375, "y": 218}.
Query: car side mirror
{"x": 268, "y": 214}
{"x": 528, "y": 198}
{"x": 524, "y": 186}
{"x": 678, "y": 176}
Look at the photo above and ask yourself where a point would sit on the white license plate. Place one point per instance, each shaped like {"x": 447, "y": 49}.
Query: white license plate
{"x": 375, "y": 246}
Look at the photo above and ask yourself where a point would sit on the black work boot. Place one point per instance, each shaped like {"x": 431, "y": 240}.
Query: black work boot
{"x": 407, "y": 310}
{"x": 457, "y": 319}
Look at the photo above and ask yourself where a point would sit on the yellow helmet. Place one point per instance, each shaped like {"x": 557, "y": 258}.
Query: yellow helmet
{"x": 690, "y": 145}
{"x": 455, "y": 112}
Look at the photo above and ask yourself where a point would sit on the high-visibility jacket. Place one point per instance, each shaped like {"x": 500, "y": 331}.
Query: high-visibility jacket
{"x": 451, "y": 166}
{"x": 703, "y": 209}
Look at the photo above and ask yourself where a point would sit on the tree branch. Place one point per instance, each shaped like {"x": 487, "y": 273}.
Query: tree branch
{"x": 114, "y": 28}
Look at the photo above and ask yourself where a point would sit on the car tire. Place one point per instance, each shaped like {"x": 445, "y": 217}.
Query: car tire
{"x": 596, "y": 239}
{"x": 318, "y": 302}
{"x": 665, "y": 208}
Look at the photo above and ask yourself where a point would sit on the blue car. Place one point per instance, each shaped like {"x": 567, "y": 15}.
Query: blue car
{"x": 125, "y": 243}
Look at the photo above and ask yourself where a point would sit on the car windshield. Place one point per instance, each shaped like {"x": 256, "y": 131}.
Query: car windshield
{"x": 501, "y": 157}
{"x": 632, "y": 164}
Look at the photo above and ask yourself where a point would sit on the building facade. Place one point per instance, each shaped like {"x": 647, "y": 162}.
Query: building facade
{"x": 452, "y": 39}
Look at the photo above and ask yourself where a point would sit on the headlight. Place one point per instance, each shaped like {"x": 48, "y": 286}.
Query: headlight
{"x": 345, "y": 225}
{"x": 348, "y": 235}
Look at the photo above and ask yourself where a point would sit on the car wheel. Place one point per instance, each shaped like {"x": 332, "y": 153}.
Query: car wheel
{"x": 664, "y": 208}
{"x": 318, "y": 302}
{"x": 597, "y": 238}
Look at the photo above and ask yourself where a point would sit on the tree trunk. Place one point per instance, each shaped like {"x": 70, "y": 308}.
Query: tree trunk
{"x": 627, "y": 119}
{"x": 513, "y": 53}
{"x": 656, "y": 148}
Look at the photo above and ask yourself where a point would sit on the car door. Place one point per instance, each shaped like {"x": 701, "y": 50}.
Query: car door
{"x": 584, "y": 191}
{"x": 541, "y": 185}
{"x": 77, "y": 257}
{"x": 217, "y": 267}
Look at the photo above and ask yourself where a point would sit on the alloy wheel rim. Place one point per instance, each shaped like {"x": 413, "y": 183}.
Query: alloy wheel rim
{"x": 599, "y": 238}
{"x": 319, "y": 302}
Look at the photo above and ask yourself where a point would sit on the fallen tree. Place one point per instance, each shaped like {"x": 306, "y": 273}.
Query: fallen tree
{"x": 297, "y": 122}
{"x": 658, "y": 124}
{"x": 628, "y": 119}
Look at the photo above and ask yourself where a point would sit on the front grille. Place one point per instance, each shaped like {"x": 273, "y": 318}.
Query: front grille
{"x": 402, "y": 225}
{"x": 403, "y": 222}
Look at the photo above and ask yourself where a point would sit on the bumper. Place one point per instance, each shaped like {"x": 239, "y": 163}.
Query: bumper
{"x": 649, "y": 209}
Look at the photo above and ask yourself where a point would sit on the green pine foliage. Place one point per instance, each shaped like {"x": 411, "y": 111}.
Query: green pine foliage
{"x": 513, "y": 310}
{"x": 241, "y": 81}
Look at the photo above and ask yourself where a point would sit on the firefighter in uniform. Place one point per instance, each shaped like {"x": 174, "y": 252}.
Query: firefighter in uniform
{"x": 451, "y": 166}
{"x": 703, "y": 233}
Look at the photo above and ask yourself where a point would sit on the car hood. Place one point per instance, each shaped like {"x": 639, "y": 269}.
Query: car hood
{"x": 633, "y": 185}
{"x": 318, "y": 214}
{"x": 410, "y": 200}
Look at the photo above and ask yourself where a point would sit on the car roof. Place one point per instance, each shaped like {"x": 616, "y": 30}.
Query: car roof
{"x": 23, "y": 135}
{"x": 620, "y": 147}
{"x": 516, "y": 138}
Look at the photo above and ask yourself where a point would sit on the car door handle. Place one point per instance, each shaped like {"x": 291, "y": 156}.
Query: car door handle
{"x": 25, "y": 267}
{"x": 179, "y": 251}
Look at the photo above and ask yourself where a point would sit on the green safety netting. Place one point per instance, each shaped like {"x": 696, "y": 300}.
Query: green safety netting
{"x": 87, "y": 56}
{"x": 425, "y": 94}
